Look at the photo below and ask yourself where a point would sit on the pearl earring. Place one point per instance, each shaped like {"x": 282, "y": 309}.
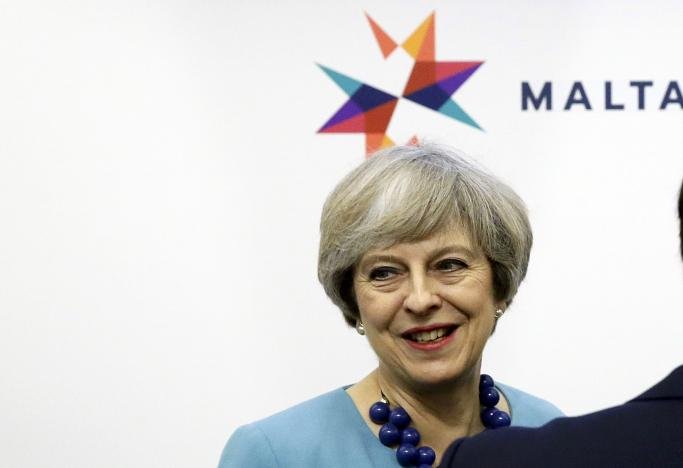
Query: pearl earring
{"x": 498, "y": 313}
{"x": 360, "y": 328}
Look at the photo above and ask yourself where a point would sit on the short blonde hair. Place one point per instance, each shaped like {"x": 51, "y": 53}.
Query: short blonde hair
{"x": 407, "y": 193}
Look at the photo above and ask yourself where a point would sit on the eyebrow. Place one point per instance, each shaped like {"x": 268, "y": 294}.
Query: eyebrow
{"x": 453, "y": 249}
{"x": 379, "y": 258}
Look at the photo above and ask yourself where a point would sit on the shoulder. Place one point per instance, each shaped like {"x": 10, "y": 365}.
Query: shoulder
{"x": 293, "y": 434}
{"x": 528, "y": 410}
{"x": 309, "y": 414}
{"x": 248, "y": 446}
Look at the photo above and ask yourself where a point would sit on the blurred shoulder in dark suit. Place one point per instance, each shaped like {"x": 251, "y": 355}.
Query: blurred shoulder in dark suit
{"x": 645, "y": 432}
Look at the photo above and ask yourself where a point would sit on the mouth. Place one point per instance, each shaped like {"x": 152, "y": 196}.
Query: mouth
{"x": 429, "y": 335}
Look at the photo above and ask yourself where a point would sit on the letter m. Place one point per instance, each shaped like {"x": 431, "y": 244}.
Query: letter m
{"x": 546, "y": 95}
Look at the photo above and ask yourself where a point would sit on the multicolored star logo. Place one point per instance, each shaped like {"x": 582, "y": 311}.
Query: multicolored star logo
{"x": 431, "y": 84}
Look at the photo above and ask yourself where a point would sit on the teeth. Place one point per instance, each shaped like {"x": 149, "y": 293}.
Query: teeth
{"x": 432, "y": 335}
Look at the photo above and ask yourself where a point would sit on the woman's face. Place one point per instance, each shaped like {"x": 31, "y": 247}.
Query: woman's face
{"x": 427, "y": 307}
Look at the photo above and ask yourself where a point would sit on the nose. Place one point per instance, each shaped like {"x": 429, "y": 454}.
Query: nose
{"x": 423, "y": 297}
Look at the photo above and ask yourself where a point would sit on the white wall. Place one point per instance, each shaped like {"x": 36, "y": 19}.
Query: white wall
{"x": 161, "y": 182}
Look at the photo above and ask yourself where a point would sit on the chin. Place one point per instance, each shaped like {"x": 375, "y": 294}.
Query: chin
{"x": 436, "y": 377}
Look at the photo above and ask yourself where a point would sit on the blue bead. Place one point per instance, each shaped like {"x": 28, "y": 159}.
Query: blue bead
{"x": 389, "y": 434}
{"x": 410, "y": 436}
{"x": 485, "y": 381}
{"x": 406, "y": 455}
{"x": 399, "y": 418}
{"x": 426, "y": 456}
{"x": 489, "y": 397}
{"x": 500, "y": 419}
{"x": 487, "y": 415}
{"x": 379, "y": 412}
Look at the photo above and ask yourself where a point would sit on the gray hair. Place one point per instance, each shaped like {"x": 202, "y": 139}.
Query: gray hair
{"x": 407, "y": 193}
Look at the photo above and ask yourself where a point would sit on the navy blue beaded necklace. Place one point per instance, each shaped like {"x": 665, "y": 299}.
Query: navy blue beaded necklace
{"x": 396, "y": 428}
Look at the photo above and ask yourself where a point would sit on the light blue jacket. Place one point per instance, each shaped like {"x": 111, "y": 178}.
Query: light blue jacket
{"x": 329, "y": 432}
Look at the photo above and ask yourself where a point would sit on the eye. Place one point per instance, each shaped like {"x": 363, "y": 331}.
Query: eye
{"x": 451, "y": 264}
{"x": 382, "y": 273}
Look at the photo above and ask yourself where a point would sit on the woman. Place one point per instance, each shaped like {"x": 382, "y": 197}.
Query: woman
{"x": 423, "y": 252}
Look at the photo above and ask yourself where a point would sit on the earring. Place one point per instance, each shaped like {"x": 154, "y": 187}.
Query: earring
{"x": 360, "y": 328}
{"x": 498, "y": 313}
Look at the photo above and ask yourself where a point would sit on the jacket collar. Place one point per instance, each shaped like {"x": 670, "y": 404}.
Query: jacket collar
{"x": 669, "y": 388}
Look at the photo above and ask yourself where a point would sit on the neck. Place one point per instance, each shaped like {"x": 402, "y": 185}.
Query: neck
{"x": 441, "y": 413}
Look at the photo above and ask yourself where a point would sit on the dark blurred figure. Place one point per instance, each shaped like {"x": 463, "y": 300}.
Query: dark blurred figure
{"x": 644, "y": 432}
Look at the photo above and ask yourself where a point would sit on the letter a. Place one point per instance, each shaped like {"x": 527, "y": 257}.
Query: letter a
{"x": 577, "y": 89}
{"x": 672, "y": 89}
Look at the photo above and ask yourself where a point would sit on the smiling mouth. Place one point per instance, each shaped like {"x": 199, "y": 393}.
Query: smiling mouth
{"x": 430, "y": 336}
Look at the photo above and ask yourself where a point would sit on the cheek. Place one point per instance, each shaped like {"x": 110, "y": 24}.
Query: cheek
{"x": 377, "y": 309}
{"x": 484, "y": 318}
{"x": 472, "y": 299}
{"x": 485, "y": 325}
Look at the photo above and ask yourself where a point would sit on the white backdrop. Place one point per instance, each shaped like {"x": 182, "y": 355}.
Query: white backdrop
{"x": 161, "y": 182}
